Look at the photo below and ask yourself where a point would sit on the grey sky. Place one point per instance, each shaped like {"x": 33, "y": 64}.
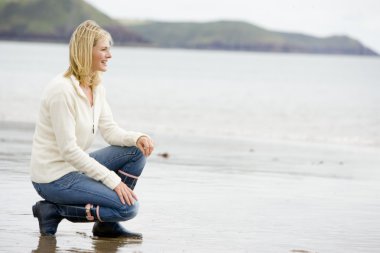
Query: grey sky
{"x": 358, "y": 19}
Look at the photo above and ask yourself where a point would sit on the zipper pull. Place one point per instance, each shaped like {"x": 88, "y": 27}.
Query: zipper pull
{"x": 93, "y": 119}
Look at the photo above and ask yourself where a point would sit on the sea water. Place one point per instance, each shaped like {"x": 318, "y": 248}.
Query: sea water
{"x": 313, "y": 98}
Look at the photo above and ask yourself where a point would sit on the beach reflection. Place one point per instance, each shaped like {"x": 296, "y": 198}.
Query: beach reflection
{"x": 46, "y": 244}
{"x": 111, "y": 245}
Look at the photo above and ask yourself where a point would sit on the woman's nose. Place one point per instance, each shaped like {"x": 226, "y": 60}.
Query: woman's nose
{"x": 109, "y": 55}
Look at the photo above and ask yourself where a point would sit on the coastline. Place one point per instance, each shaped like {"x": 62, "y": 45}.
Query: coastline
{"x": 217, "y": 195}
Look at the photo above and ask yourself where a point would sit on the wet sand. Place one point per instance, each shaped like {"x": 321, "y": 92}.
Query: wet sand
{"x": 216, "y": 195}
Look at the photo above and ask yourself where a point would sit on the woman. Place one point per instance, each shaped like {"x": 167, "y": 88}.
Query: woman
{"x": 80, "y": 187}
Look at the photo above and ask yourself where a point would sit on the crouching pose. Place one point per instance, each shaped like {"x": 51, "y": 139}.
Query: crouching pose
{"x": 77, "y": 186}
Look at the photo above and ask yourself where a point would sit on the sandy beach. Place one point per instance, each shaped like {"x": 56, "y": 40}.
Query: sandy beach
{"x": 216, "y": 195}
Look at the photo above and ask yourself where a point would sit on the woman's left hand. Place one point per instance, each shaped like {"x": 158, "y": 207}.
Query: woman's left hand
{"x": 126, "y": 195}
{"x": 145, "y": 144}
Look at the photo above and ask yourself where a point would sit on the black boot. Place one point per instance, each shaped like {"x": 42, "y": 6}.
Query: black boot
{"x": 113, "y": 229}
{"x": 50, "y": 215}
{"x": 78, "y": 213}
{"x": 128, "y": 179}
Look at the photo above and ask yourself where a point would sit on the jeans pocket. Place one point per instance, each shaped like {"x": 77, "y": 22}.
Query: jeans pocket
{"x": 67, "y": 180}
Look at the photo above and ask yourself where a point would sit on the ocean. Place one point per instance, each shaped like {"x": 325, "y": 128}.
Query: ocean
{"x": 294, "y": 97}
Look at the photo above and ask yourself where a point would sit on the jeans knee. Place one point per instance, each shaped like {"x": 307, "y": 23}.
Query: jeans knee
{"x": 141, "y": 159}
{"x": 129, "y": 212}
{"x": 139, "y": 163}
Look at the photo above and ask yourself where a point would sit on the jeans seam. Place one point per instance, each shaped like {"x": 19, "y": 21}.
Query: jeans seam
{"x": 112, "y": 159}
{"x": 97, "y": 195}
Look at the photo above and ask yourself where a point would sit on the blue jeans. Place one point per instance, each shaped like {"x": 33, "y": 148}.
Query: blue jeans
{"x": 77, "y": 189}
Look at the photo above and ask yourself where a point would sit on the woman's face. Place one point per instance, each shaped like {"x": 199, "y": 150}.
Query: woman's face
{"x": 100, "y": 55}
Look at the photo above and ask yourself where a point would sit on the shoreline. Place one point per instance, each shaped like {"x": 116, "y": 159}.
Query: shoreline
{"x": 217, "y": 195}
{"x": 29, "y": 127}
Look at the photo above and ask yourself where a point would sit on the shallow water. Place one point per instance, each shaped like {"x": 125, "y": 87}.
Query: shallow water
{"x": 216, "y": 195}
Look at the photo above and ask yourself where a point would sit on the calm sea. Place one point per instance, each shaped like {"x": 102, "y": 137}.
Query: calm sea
{"x": 314, "y": 98}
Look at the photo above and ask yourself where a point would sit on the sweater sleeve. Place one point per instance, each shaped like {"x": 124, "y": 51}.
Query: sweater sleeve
{"x": 62, "y": 113}
{"x": 110, "y": 130}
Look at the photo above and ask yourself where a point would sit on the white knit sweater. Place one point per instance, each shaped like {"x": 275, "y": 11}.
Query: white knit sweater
{"x": 66, "y": 127}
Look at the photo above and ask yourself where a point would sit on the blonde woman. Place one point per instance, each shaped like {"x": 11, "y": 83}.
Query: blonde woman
{"x": 81, "y": 187}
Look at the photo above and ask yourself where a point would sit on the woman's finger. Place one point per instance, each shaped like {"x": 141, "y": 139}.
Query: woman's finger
{"x": 121, "y": 197}
{"x": 145, "y": 144}
{"x": 131, "y": 199}
{"x": 134, "y": 195}
{"x": 148, "y": 146}
{"x": 126, "y": 197}
{"x": 151, "y": 150}
{"x": 142, "y": 148}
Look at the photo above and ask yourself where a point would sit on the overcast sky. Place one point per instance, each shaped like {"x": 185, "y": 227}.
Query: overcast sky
{"x": 359, "y": 19}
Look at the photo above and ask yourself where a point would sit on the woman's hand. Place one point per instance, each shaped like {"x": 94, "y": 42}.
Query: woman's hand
{"x": 125, "y": 194}
{"x": 145, "y": 144}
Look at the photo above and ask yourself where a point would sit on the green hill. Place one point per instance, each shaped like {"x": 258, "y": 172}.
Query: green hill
{"x": 234, "y": 35}
{"x": 52, "y": 20}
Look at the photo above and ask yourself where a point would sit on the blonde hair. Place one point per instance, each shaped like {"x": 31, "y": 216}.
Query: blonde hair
{"x": 82, "y": 41}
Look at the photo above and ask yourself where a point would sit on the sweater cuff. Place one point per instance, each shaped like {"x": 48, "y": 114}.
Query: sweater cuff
{"x": 112, "y": 180}
{"x": 131, "y": 138}
{"x": 138, "y": 136}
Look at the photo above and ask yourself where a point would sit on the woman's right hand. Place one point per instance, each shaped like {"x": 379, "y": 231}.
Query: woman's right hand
{"x": 125, "y": 194}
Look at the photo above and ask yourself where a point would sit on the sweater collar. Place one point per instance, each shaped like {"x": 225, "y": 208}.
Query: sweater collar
{"x": 78, "y": 89}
